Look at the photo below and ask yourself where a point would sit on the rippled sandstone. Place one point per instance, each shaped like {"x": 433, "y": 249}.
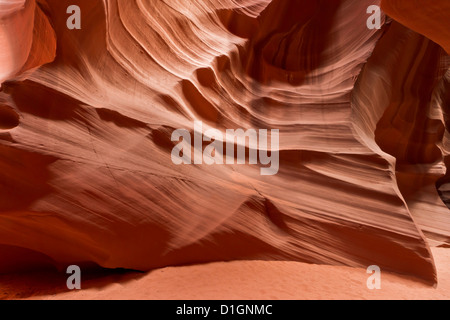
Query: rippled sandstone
{"x": 85, "y": 145}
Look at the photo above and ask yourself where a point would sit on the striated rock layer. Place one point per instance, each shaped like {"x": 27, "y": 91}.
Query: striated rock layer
{"x": 85, "y": 145}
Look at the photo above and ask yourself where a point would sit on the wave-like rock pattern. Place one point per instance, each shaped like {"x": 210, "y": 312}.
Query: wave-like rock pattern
{"x": 85, "y": 144}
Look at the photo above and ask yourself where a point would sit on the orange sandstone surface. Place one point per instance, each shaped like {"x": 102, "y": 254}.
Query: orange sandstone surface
{"x": 429, "y": 19}
{"x": 86, "y": 118}
{"x": 235, "y": 280}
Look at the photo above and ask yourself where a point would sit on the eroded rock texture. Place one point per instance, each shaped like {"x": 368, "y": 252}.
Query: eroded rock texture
{"x": 85, "y": 168}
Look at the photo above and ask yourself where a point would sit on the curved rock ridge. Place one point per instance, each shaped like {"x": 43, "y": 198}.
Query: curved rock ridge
{"x": 26, "y": 38}
{"x": 85, "y": 141}
{"x": 428, "y": 18}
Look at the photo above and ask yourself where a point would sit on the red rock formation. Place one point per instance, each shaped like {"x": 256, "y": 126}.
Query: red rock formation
{"x": 428, "y": 18}
{"x": 26, "y": 38}
{"x": 86, "y": 166}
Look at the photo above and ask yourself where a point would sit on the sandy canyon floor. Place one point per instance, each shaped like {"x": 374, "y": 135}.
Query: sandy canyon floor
{"x": 247, "y": 280}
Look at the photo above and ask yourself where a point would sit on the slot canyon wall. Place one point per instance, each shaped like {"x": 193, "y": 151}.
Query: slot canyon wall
{"x": 86, "y": 118}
